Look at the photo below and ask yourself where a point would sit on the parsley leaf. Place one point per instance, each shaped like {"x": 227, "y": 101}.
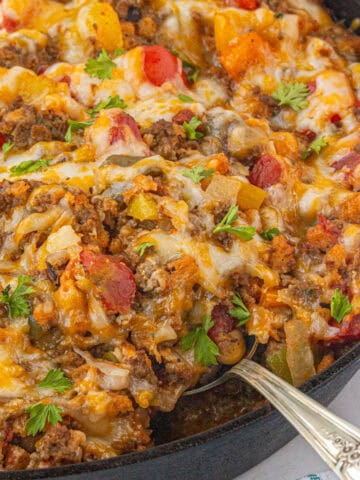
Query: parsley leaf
{"x": 28, "y": 166}
{"x": 17, "y": 303}
{"x": 204, "y": 348}
{"x": 190, "y": 128}
{"x": 316, "y": 146}
{"x": 240, "y": 311}
{"x": 278, "y": 15}
{"x": 243, "y": 232}
{"x": 270, "y": 233}
{"x": 118, "y": 52}
{"x": 100, "y": 67}
{"x": 39, "y": 415}
{"x": 7, "y": 147}
{"x": 293, "y": 94}
{"x": 142, "y": 247}
{"x": 198, "y": 173}
{"x": 185, "y": 98}
{"x": 340, "y": 306}
{"x": 56, "y": 380}
{"x": 74, "y": 126}
{"x": 191, "y": 71}
{"x": 111, "y": 102}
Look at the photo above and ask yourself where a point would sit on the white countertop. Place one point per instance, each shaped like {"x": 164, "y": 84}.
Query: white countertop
{"x": 297, "y": 458}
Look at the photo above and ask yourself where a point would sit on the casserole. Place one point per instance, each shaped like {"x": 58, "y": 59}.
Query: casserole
{"x": 123, "y": 274}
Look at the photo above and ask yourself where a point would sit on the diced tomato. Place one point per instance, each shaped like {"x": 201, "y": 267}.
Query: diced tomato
{"x": 351, "y": 160}
{"x": 122, "y": 121}
{"x": 349, "y": 330}
{"x": 160, "y": 65}
{"x": 312, "y": 86}
{"x": 309, "y": 134}
{"x": 336, "y": 118}
{"x": 66, "y": 79}
{"x": 114, "y": 280}
{"x": 266, "y": 171}
{"x": 2, "y": 140}
{"x": 183, "y": 116}
{"x": 9, "y": 24}
{"x": 246, "y": 4}
{"x": 224, "y": 323}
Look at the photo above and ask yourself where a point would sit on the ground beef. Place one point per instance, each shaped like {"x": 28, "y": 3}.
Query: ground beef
{"x": 168, "y": 139}
{"x": 13, "y": 194}
{"x": 16, "y": 458}
{"x": 59, "y": 446}
{"x": 24, "y": 125}
{"x": 12, "y": 55}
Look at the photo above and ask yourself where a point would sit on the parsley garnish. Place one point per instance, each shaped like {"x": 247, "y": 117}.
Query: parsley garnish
{"x": 111, "y": 102}
{"x": 278, "y": 15}
{"x": 142, "y": 247}
{"x": 191, "y": 71}
{"x": 28, "y": 166}
{"x": 118, "y": 52}
{"x": 293, "y": 94}
{"x": 7, "y": 147}
{"x": 245, "y": 233}
{"x": 205, "y": 349}
{"x": 56, "y": 380}
{"x": 185, "y": 98}
{"x": 316, "y": 146}
{"x": 198, "y": 173}
{"x": 17, "y": 303}
{"x": 240, "y": 311}
{"x": 190, "y": 128}
{"x": 340, "y": 306}
{"x": 270, "y": 233}
{"x": 100, "y": 67}
{"x": 39, "y": 415}
{"x": 75, "y": 126}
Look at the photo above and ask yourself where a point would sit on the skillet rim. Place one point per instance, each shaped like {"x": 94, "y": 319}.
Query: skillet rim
{"x": 352, "y": 357}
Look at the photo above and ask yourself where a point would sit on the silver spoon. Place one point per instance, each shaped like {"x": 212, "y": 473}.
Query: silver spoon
{"x": 335, "y": 440}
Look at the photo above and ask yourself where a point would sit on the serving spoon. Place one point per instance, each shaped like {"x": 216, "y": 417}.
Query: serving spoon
{"x": 335, "y": 440}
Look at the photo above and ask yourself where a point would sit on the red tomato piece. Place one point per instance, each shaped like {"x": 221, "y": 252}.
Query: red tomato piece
{"x": 351, "y": 160}
{"x": 336, "y": 118}
{"x": 160, "y": 65}
{"x": 349, "y": 330}
{"x": 114, "y": 280}
{"x": 312, "y": 86}
{"x": 122, "y": 121}
{"x": 246, "y": 4}
{"x": 266, "y": 171}
{"x": 2, "y": 140}
{"x": 9, "y": 24}
{"x": 224, "y": 323}
{"x": 183, "y": 116}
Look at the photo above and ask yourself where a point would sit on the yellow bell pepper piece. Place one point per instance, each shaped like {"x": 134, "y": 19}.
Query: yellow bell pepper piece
{"x": 250, "y": 196}
{"x": 143, "y": 207}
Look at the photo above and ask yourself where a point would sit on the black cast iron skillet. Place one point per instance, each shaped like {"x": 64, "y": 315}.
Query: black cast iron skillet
{"x": 223, "y": 452}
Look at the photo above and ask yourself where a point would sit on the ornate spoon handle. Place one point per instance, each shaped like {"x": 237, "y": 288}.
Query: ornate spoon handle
{"x": 334, "y": 439}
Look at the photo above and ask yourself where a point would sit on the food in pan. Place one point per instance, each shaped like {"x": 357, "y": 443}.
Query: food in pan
{"x": 176, "y": 178}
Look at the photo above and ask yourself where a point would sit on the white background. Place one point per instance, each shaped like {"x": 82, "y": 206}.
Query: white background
{"x": 297, "y": 458}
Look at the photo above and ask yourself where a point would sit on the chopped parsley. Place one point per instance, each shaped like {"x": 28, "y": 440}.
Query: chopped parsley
{"x": 293, "y": 95}
{"x": 316, "y": 146}
{"x": 16, "y": 301}
{"x": 270, "y": 233}
{"x": 56, "y": 380}
{"x": 143, "y": 247}
{"x": 340, "y": 306}
{"x": 191, "y": 128}
{"x": 278, "y": 15}
{"x": 40, "y": 414}
{"x": 75, "y": 126}
{"x": 185, "y": 98}
{"x": 100, "y": 67}
{"x": 7, "y": 147}
{"x": 244, "y": 232}
{"x": 198, "y": 173}
{"x": 118, "y": 52}
{"x": 191, "y": 71}
{"x": 28, "y": 166}
{"x": 239, "y": 311}
{"x": 111, "y": 102}
{"x": 204, "y": 348}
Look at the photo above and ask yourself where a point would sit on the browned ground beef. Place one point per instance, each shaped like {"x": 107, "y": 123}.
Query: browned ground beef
{"x": 12, "y": 55}
{"x": 344, "y": 42}
{"x": 24, "y": 125}
{"x": 168, "y": 139}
